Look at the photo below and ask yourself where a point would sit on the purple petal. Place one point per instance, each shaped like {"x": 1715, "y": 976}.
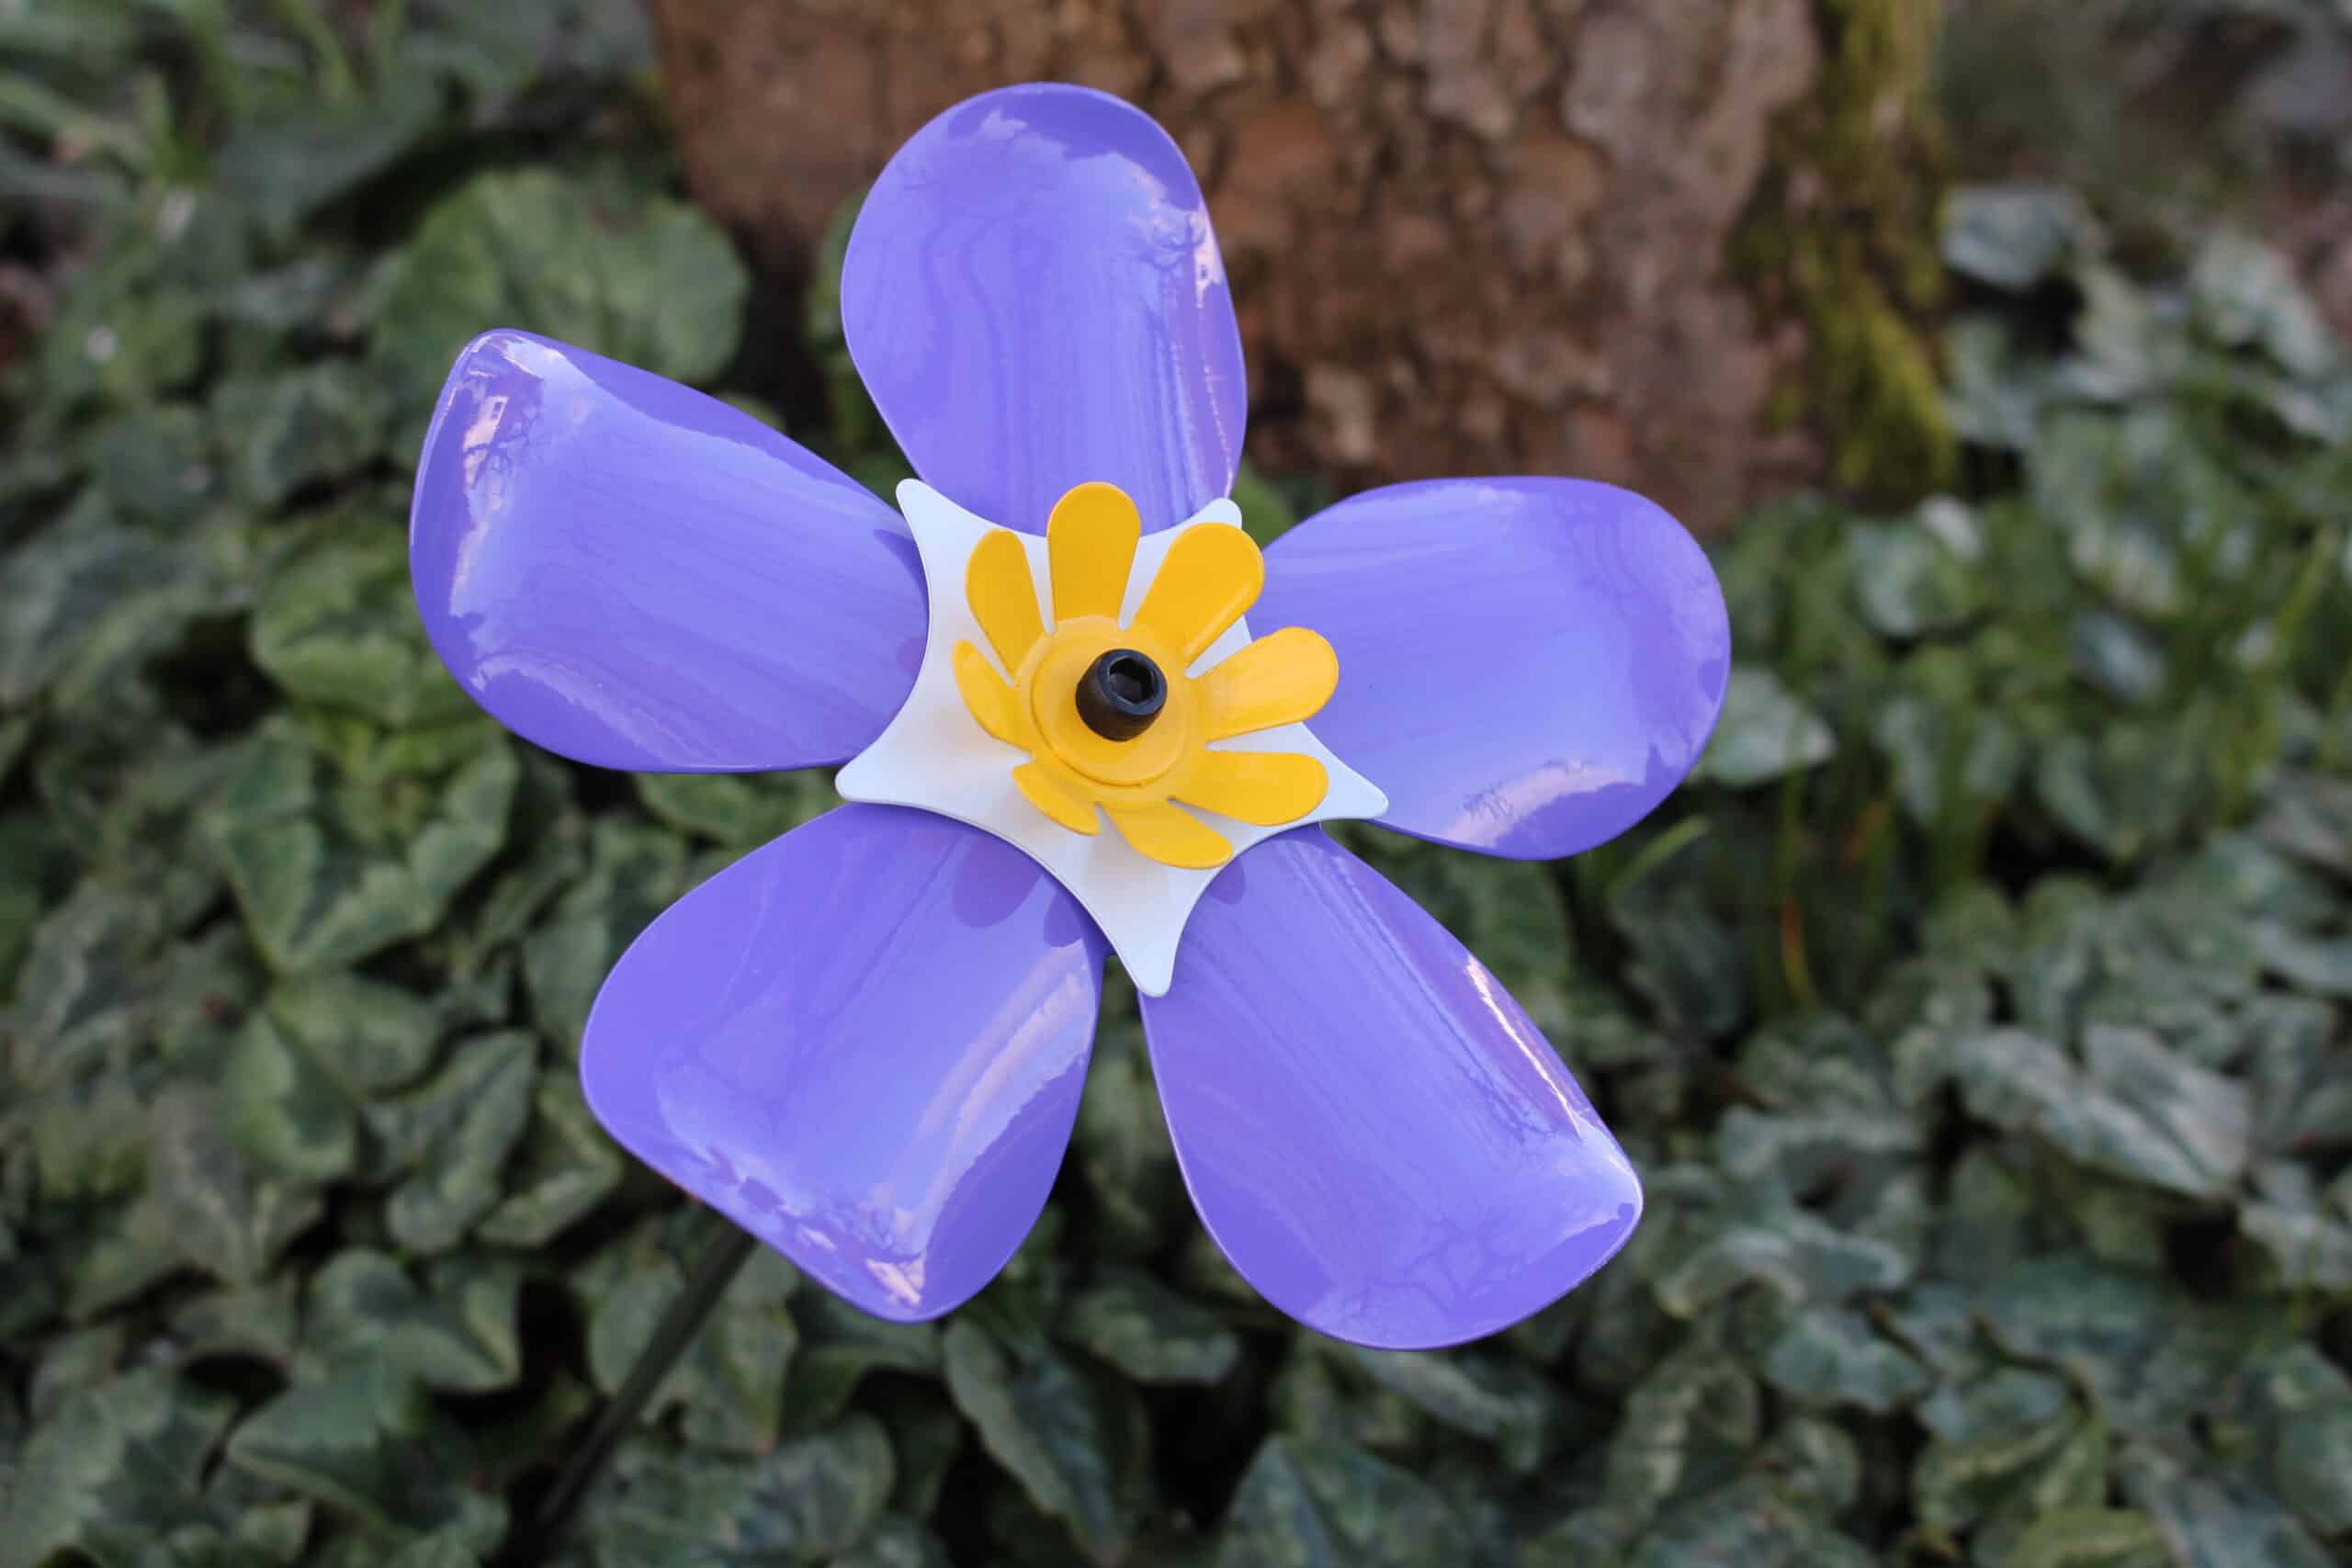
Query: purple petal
{"x": 864, "y": 1044}
{"x": 1527, "y": 666}
{"x": 1033, "y": 295}
{"x": 638, "y": 575}
{"x": 1372, "y": 1130}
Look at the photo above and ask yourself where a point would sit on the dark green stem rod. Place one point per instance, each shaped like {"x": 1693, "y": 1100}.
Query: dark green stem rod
{"x": 713, "y": 1273}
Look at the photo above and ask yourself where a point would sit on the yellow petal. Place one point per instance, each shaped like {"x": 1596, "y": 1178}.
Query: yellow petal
{"x": 1282, "y": 678}
{"x": 1265, "y": 789}
{"x": 1004, "y": 596}
{"x": 1091, "y": 544}
{"x": 1211, "y": 575}
{"x": 993, "y": 703}
{"x": 1055, "y": 798}
{"x": 1172, "y": 836}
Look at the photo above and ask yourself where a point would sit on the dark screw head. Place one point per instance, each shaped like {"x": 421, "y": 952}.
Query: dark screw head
{"x": 1121, "y": 693}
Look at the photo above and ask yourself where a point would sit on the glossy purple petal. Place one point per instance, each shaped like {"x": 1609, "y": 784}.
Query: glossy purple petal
{"x": 1372, "y": 1129}
{"x": 1033, "y": 295}
{"x": 638, "y": 575}
{"x": 864, "y": 1044}
{"x": 1527, "y": 666}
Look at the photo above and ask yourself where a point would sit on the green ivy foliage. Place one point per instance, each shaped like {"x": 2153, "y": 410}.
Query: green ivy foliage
{"x": 1977, "y": 1017}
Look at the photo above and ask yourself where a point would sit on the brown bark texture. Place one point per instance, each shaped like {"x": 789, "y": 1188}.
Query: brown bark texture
{"x": 1463, "y": 236}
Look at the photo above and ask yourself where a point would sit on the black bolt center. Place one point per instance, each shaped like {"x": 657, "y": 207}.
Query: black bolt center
{"x": 1121, "y": 693}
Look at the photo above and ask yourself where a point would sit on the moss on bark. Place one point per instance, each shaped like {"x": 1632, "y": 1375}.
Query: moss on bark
{"x": 1841, "y": 236}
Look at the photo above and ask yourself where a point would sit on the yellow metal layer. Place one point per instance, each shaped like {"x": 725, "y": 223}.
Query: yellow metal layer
{"x": 1004, "y": 596}
{"x": 1264, "y": 789}
{"x": 995, "y": 704}
{"x": 1049, "y": 795}
{"x": 1285, "y": 678}
{"x": 1170, "y": 836}
{"x": 1211, "y": 575}
{"x": 1090, "y": 547}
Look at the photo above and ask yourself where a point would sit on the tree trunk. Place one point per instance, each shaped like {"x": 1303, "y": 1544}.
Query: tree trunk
{"x": 1673, "y": 244}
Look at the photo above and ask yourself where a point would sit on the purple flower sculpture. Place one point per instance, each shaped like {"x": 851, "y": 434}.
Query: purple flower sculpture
{"x": 865, "y": 1041}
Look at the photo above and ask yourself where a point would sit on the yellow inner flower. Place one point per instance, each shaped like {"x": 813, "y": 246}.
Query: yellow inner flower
{"x": 1210, "y": 577}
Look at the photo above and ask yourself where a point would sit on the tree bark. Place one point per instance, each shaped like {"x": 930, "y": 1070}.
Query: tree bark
{"x": 1464, "y": 236}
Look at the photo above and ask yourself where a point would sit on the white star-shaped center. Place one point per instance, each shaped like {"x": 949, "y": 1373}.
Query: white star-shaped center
{"x": 934, "y": 755}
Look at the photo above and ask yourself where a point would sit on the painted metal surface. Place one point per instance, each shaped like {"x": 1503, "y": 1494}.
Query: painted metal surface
{"x": 863, "y": 1042}
{"x": 1531, "y": 664}
{"x": 638, "y": 575}
{"x": 1034, "y": 297}
{"x": 1372, "y": 1130}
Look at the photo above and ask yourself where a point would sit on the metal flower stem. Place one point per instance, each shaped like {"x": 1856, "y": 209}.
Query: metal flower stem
{"x": 714, "y": 1272}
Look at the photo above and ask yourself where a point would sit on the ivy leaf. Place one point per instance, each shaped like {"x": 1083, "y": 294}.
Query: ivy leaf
{"x": 840, "y": 1344}
{"x": 1766, "y": 732}
{"x": 895, "y": 1543}
{"x": 299, "y": 154}
{"x": 2308, "y": 1249}
{"x": 367, "y": 1441}
{"x": 2151, "y": 1356}
{"x": 1696, "y": 1259}
{"x": 259, "y": 1320}
{"x": 151, "y": 464}
{"x": 320, "y": 882}
{"x": 2309, "y": 815}
{"x": 117, "y": 1465}
{"x": 634, "y": 872}
{"x": 1755, "y": 1523}
{"x": 85, "y": 989}
{"x": 1121, "y": 1141}
{"x": 1308, "y": 1504}
{"x": 1831, "y": 1356}
{"x": 641, "y": 278}
{"x": 458, "y": 1333}
{"x": 439, "y": 1550}
{"x": 286, "y": 1111}
{"x": 2216, "y": 1520}
{"x": 567, "y": 1166}
{"x": 368, "y": 1035}
{"x": 138, "y": 1247}
{"x": 1691, "y": 1419}
{"x": 1069, "y": 1441}
{"x": 2316, "y": 964}
{"x": 1820, "y": 1459}
{"x": 1687, "y": 962}
{"x": 741, "y": 810}
{"x": 288, "y": 429}
{"x": 731, "y": 1379}
{"x": 1479, "y": 1396}
{"x": 1988, "y": 1436}
{"x": 2015, "y": 236}
{"x": 811, "y": 1500}
{"x": 1949, "y": 757}
{"x": 2245, "y": 295}
{"x": 303, "y": 1067}
{"x": 2125, "y": 792}
{"x": 2313, "y": 1467}
{"x": 272, "y": 1533}
{"x": 83, "y": 594}
{"x": 453, "y": 1135}
{"x": 1148, "y": 1332}
{"x": 2134, "y": 1110}
{"x": 337, "y": 625}
{"x": 1911, "y": 583}
{"x": 223, "y": 1215}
